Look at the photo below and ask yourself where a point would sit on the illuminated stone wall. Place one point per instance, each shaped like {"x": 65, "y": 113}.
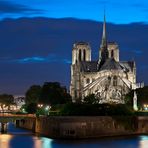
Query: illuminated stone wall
{"x": 87, "y": 127}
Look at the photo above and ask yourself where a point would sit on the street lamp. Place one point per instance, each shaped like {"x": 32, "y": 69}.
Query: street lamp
{"x": 47, "y": 108}
{"x": 145, "y": 107}
{"x": 40, "y": 105}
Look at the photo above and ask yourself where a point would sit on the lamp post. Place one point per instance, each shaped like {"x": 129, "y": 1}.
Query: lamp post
{"x": 39, "y": 109}
{"x": 145, "y": 106}
{"x": 43, "y": 109}
{"x": 47, "y": 108}
{"x": 40, "y": 105}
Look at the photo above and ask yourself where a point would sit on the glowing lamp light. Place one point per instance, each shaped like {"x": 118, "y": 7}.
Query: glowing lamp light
{"x": 145, "y": 107}
{"x": 47, "y": 107}
{"x": 40, "y": 105}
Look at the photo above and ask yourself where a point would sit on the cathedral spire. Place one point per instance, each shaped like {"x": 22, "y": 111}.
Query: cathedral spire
{"x": 104, "y": 38}
{"x": 103, "y": 53}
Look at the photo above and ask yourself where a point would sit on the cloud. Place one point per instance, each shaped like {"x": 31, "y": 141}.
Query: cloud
{"x": 31, "y": 60}
{"x": 10, "y": 7}
{"x": 37, "y": 59}
{"x": 52, "y": 58}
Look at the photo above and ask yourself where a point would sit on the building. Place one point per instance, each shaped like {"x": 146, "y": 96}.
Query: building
{"x": 19, "y": 102}
{"x": 108, "y": 77}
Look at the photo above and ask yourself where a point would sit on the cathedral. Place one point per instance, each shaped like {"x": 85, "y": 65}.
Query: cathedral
{"x": 108, "y": 78}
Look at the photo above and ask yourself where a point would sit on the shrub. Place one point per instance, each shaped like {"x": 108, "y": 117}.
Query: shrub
{"x": 95, "y": 110}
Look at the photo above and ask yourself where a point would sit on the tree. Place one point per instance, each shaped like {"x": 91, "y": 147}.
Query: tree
{"x": 53, "y": 93}
{"x": 142, "y": 97}
{"x": 6, "y": 100}
{"x": 31, "y": 108}
{"x": 33, "y": 93}
{"x": 91, "y": 99}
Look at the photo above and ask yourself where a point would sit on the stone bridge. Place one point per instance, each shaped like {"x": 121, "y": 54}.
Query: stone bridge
{"x": 7, "y": 117}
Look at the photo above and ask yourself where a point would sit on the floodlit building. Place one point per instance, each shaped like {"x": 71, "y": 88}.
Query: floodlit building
{"x": 108, "y": 77}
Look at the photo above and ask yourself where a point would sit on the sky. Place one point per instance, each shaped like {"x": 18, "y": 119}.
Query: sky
{"x": 120, "y": 12}
{"x": 36, "y": 37}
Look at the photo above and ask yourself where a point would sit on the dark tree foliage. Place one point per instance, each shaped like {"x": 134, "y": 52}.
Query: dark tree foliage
{"x": 74, "y": 109}
{"x": 142, "y": 97}
{"x": 6, "y": 100}
{"x": 31, "y": 108}
{"x": 33, "y": 94}
{"x": 53, "y": 93}
{"x": 91, "y": 99}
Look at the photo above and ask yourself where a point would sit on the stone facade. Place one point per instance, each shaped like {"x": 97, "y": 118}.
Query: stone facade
{"x": 108, "y": 77}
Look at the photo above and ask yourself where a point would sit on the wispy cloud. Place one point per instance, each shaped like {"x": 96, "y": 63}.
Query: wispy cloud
{"x": 9, "y": 7}
{"x": 38, "y": 59}
{"x": 31, "y": 59}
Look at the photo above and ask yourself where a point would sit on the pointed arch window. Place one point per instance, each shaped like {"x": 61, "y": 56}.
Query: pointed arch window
{"x": 80, "y": 54}
{"x": 115, "y": 81}
{"x": 84, "y": 55}
{"x": 87, "y": 81}
{"x": 112, "y": 53}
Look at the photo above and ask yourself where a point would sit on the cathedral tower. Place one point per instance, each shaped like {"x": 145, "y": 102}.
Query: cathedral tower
{"x": 81, "y": 52}
{"x": 113, "y": 51}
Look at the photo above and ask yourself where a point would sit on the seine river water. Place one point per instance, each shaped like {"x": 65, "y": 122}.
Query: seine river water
{"x": 19, "y": 138}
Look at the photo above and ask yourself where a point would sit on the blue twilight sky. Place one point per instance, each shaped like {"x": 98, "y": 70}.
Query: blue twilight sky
{"x": 36, "y": 37}
{"x": 119, "y": 12}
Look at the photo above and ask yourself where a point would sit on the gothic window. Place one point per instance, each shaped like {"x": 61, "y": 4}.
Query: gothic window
{"x": 75, "y": 93}
{"x": 109, "y": 79}
{"x": 79, "y": 54}
{"x": 84, "y": 55}
{"x": 115, "y": 81}
{"x": 106, "y": 87}
{"x": 87, "y": 81}
{"x": 112, "y": 53}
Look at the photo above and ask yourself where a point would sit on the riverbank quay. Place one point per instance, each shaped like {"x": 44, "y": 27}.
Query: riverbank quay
{"x": 80, "y": 127}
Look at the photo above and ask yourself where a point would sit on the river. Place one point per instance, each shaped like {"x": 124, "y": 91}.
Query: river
{"x": 20, "y": 138}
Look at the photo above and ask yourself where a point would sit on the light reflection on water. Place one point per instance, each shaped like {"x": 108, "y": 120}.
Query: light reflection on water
{"x": 19, "y": 138}
{"x": 143, "y": 143}
{"x": 4, "y": 141}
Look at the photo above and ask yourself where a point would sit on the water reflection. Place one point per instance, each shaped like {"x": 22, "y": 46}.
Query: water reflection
{"x": 143, "y": 142}
{"x": 42, "y": 142}
{"x": 4, "y": 140}
{"x": 19, "y": 138}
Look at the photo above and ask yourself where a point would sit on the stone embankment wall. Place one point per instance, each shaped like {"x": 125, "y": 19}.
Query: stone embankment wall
{"x": 27, "y": 123}
{"x": 142, "y": 125}
{"x": 86, "y": 127}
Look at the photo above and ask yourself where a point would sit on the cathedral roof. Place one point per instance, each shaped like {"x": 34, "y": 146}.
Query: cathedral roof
{"x": 89, "y": 66}
{"x": 111, "y": 64}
